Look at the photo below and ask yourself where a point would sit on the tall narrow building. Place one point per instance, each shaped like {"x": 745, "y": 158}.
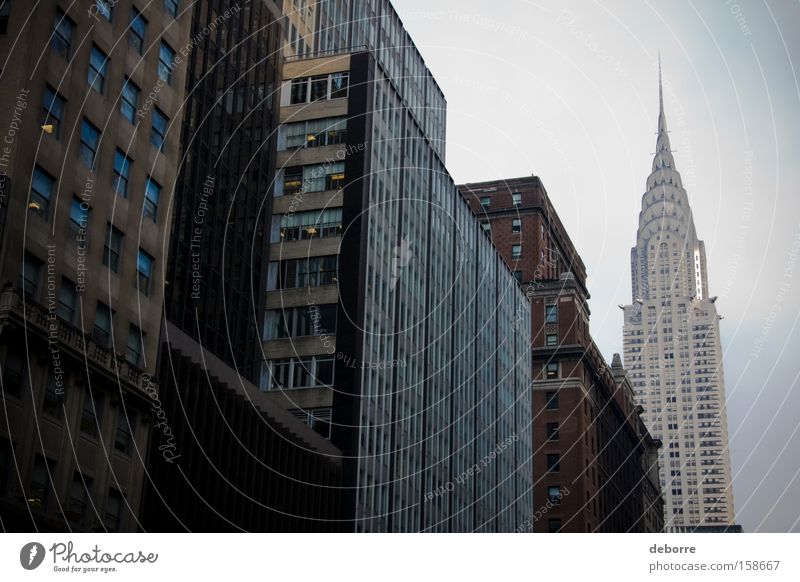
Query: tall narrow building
{"x": 673, "y": 351}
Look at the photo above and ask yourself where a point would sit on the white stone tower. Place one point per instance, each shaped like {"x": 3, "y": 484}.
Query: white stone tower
{"x": 673, "y": 352}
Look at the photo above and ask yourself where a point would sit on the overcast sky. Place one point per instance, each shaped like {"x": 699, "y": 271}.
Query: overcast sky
{"x": 568, "y": 91}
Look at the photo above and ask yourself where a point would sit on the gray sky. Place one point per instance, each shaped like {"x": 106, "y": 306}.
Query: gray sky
{"x": 568, "y": 91}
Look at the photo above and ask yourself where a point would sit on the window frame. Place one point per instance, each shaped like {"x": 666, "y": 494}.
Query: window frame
{"x": 60, "y": 42}
{"x": 128, "y": 107}
{"x": 86, "y": 148}
{"x": 110, "y": 251}
{"x": 163, "y": 66}
{"x": 158, "y": 135}
{"x": 101, "y": 73}
{"x": 50, "y": 115}
{"x": 135, "y": 39}
{"x": 121, "y": 173}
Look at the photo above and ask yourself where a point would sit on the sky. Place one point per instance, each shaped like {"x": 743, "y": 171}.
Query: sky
{"x": 568, "y": 91}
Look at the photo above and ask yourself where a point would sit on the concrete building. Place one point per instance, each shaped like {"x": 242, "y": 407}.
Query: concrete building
{"x": 593, "y": 460}
{"x": 673, "y": 351}
{"x": 86, "y": 163}
{"x": 392, "y": 323}
{"x": 298, "y": 27}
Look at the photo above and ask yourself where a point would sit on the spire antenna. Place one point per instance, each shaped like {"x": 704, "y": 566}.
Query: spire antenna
{"x": 660, "y": 90}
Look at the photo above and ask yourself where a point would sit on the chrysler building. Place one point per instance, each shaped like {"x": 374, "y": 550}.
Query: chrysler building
{"x": 673, "y": 351}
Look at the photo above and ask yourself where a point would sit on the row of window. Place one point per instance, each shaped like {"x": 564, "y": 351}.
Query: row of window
{"x": 516, "y": 200}
{"x": 296, "y": 322}
{"x": 310, "y": 225}
{"x": 294, "y": 373}
{"x": 319, "y": 88}
{"x": 313, "y": 178}
{"x": 316, "y": 133}
{"x": 303, "y": 272}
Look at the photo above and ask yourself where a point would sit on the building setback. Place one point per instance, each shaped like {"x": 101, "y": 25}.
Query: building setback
{"x": 593, "y": 460}
{"x": 673, "y": 350}
{"x": 86, "y": 166}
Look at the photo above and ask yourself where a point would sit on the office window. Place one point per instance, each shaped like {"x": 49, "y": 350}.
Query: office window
{"x": 126, "y": 423}
{"x": 319, "y": 419}
{"x": 516, "y": 225}
{"x": 312, "y": 320}
{"x": 67, "y": 300}
{"x": 104, "y": 8}
{"x": 78, "y": 217}
{"x": 152, "y": 192}
{"x": 41, "y": 484}
{"x": 113, "y": 514}
{"x": 516, "y": 198}
{"x": 144, "y": 272}
{"x": 518, "y": 276}
{"x": 166, "y": 56}
{"x": 310, "y": 225}
{"x": 553, "y": 525}
{"x": 98, "y": 69}
{"x": 135, "y": 345}
{"x": 53, "y": 395}
{"x": 13, "y": 370}
{"x": 486, "y": 201}
{"x": 304, "y": 272}
{"x": 30, "y": 276}
{"x": 299, "y": 91}
{"x": 137, "y": 31}
{"x": 90, "y": 140}
{"x": 5, "y": 10}
{"x": 552, "y": 431}
{"x": 102, "y": 325}
{"x": 551, "y": 370}
{"x": 316, "y": 133}
{"x": 53, "y": 110}
{"x": 129, "y": 101}
{"x": 553, "y": 462}
{"x": 297, "y": 373}
{"x": 554, "y": 493}
{"x": 171, "y": 6}
{"x": 319, "y": 88}
{"x": 516, "y": 251}
{"x": 63, "y": 26}
{"x": 551, "y": 314}
{"x": 92, "y": 415}
{"x": 122, "y": 173}
{"x": 313, "y": 178}
{"x": 113, "y": 248}
{"x": 552, "y": 400}
{"x": 339, "y": 85}
{"x": 79, "y": 499}
{"x": 41, "y": 191}
{"x": 551, "y": 339}
{"x": 159, "y": 133}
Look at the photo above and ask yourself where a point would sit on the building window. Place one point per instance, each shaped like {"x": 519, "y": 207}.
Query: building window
{"x": 152, "y": 192}
{"x": 319, "y": 88}
{"x": 310, "y": 225}
{"x": 13, "y": 371}
{"x": 551, "y": 370}
{"x": 79, "y": 499}
{"x": 129, "y": 101}
{"x": 486, "y": 201}
{"x": 316, "y": 178}
{"x": 166, "y": 57}
{"x": 5, "y": 465}
{"x": 554, "y": 494}
{"x": 316, "y": 133}
{"x": 552, "y": 431}
{"x": 304, "y": 272}
{"x": 138, "y": 30}
{"x": 41, "y": 484}
{"x": 104, "y": 8}
{"x": 53, "y": 395}
{"x": 516, "y": 225}
{"x": 98, "y": 69}
{"x": 300, "y": 322}
{"x": 113, "y": 248}
{"x": 518, "y": 276}
{"x": 144, "y": 272}
{"x": 159, "y": 133}
{"x": 102, "y": 325}
{"x": 551, "y": 314}
{"x": 552, "y": 400}
{"x": 171, "y": 6}
{"x": 79, "y": 218}
{"x": 41, "y": 191}
{"x": 516, "y": 198}
{"x": 92, "y": 415}
{"x": 62, "y": 34}
{"x": 53, "y": 110}
{"x": 126, "y": 422}
{"x": 30, "y": 276}
{"x": 5, "y": 10}
{"x": 113, "y": 515}
{"x": 298, "y": 373}
{"x": 90, "y": 140}
{"x": 487, "y": 227}
{"x": 67, "y": 300}
{"x": 122, "y": 173}
{"x": 551, "y": 339}
{"x": 553, "y": 463}
{"x": 135, "y": 346}
{"x": 553, "y": 525}
{"x": 318, "y": 419}
{"x": 516, "y": 251}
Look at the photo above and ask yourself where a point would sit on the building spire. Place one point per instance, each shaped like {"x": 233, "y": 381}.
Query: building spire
{"x": 660, "y": 90}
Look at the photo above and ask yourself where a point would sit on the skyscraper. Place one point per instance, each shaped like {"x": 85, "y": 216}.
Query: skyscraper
{"x": 673, "y": 351}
